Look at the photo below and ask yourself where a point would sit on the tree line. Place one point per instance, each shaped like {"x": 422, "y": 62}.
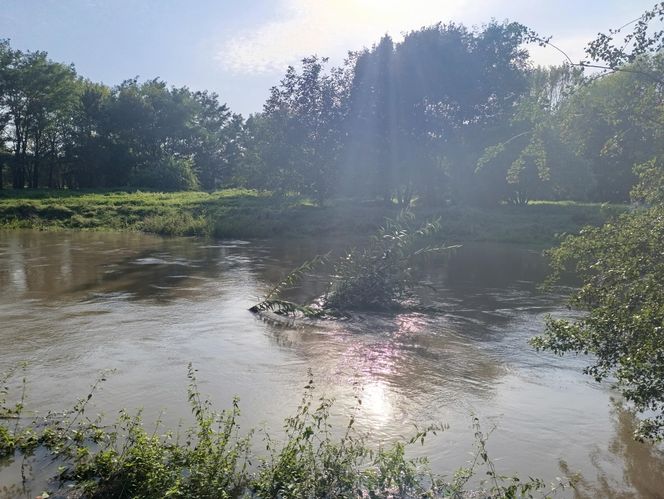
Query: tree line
{"x": 60, "y": 130}
{"x": 447, "y": 115}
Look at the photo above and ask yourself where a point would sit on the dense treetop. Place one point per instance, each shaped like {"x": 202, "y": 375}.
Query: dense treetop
{"x": 621, "y": 265}
{"x": 447, "y": 115}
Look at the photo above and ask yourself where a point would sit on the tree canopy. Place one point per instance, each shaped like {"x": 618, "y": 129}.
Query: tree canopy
{"x": 621, "y": 265}
{"x": 447, "y": 115}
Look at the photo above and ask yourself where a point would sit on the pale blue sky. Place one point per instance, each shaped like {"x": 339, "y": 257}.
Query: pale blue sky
{"x": 240, "y": 48}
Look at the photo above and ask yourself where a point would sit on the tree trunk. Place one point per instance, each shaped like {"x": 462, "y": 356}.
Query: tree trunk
{"x": 17, "y": 164}
{"x": 36, "y": 162}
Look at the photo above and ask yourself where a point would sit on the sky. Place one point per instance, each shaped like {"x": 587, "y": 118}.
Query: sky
{"x": 240, "y": 49}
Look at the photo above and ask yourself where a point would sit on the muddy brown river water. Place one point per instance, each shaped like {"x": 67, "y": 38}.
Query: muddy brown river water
{"x": 74, "y": 304}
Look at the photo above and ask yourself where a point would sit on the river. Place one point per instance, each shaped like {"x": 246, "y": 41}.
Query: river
{"x": 73, "y": 304}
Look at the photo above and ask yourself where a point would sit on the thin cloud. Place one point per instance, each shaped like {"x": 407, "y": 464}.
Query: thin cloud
{"x": 332, "y": 27}
{"x": 328, "y": 28}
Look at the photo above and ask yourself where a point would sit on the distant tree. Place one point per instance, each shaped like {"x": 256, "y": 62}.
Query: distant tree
{"x": 91, "y": 158}
{"x": 535, "y": 161}
{"x": 419, "y": 107}
{"x": 615, "y": 122}
{"x": 214, "y": 145}
{"x": 37, "y": 96}
{"x": 373, "y": 126}
{"x": 6, "y": 57}
{"x": 265, "y": 163}
{"x": 151, "y": 127}
{"x": 64, "y": 131}
{"x": 298, "y": 137}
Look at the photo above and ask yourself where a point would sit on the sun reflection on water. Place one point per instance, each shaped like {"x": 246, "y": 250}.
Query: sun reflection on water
{"x": 376, "y": 404}
{"x": 377, "y": 363}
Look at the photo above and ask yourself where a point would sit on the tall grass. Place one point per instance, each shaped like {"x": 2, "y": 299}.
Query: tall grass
{"x": 246, "y": 213}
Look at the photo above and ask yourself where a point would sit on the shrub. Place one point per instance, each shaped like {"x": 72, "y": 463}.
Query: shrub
{"x": 169, "y": 174}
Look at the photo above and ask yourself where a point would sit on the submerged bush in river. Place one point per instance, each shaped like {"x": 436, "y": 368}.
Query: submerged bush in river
{"x": 377, "y": 277}
{"x": 380, "y": 275}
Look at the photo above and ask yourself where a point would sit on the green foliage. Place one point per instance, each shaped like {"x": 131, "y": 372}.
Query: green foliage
{"x": 312, "y": 463}
{"x": 69, "y": 132}
{"x": 37, "y": 96}
{"x": 212, "y": 458}
{"x": 418, "y": 106}
{"x": 130, "y": 462}
{"x": 615, "y": 122}
{"x": 168, "y": 174}
{"x": 650, "y": 186}
{"x": 621, "y": 267}
{"x": 272, "y": 302}
{"x": 536, "y": 162}
{"x": 644, "y": 38}
{"x": 379, "y": 277}
{"x": 295, "y": 145}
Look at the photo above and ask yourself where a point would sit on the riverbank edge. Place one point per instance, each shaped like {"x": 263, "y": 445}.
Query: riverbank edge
{"x": 247, "y": 214}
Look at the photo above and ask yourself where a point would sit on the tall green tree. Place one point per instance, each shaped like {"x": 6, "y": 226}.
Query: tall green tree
{"x": 91, "y": 158}
{"x": 621, "y": 265}
{"x": 216, "y": 142}
{"x": 419, "y": 107}
{"x": 299, "y": 136}
{"x": 38, "y": 95}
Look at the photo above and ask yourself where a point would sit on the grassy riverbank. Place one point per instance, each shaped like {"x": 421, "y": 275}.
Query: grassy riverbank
{"x": 250, "y": 214}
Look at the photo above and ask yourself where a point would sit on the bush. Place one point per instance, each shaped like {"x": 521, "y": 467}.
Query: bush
{"x": 168, "y": 174}
{"x": 379, "y": 277}
{"x": 621, "y": 266}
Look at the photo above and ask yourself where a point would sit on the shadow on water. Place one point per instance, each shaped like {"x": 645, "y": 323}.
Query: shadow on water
{"x": 641, "y": 464}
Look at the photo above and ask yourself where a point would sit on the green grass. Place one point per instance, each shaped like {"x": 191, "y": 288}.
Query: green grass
{"x": 251, "y": 214}
{"x": 539, "y": 223}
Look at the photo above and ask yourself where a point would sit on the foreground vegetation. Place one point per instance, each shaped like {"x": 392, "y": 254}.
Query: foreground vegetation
{"x": 621, "y": 268}
{"x": 214, "y": 458}
{"x": 253, "y": 214}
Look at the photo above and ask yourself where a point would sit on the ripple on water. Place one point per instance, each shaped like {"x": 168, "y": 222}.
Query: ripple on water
{"x": 166, "y": 302}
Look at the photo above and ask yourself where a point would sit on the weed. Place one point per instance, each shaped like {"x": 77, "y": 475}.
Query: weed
{"x": 212, "y": 459}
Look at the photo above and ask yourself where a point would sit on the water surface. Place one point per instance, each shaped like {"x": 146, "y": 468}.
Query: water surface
{"x": 74, "y": 304}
